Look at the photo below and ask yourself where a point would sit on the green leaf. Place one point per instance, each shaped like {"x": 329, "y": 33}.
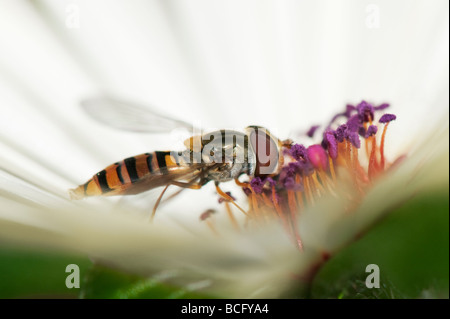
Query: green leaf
{"x": 411, "y": 248}
{"x": 36, "y": 274}
{"x": 103, "y": 282}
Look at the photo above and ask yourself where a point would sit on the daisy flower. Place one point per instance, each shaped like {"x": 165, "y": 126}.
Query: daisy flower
{"x": 301, "y": 69}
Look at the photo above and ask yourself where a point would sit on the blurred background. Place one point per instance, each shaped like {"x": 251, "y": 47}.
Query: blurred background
{"x": 283, "y": 64}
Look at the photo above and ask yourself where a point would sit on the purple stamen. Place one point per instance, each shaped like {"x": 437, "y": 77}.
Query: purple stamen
{"x": 298, "y": 151}
{"x": 340, "y": 133}
{"x": 221, "y": 199}
{"x": 348, "y": 112}
{"x": 207, "y": 214}
{"x": 257, "y": 185}
{"x": 331, "y": 143}
{"x": 301, "y": 167}
{"x": 305, "y": 168}
{"x": 365, "y": 111}
{"x": 290, "y": 184}
{"x": 362, "y": 131}
{"x": 354, "y": 123}
{"x": 286, "y": 172}
{"x": 293, "y": 168}
{"x": 287, "y": 176}
{"x": 372, "y": 130}
{"x": 270, "y": 181}
{"x": 312, "y": 130}
{"x": 354, "y": 139}
{"x": 381, "y": 107}
{"x": 386, "y": 118}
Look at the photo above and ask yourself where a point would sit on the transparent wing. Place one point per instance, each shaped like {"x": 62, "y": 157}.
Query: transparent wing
{"x": 130, "y": 116}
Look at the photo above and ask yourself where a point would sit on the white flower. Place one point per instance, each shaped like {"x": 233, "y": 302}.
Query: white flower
{"x": 281, "y": 64}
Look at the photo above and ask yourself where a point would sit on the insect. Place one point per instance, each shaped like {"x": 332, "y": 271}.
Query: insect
{"x": 217, "y": 156}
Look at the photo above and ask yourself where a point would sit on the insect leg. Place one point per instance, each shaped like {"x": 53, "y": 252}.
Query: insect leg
{"x": 229, "y": 198}
{"x": 240, "y": 184}
{"x": 157, "y": 202}
{"x": 173, "y": 195}
{"x": 187, "y": 185}
{"x": 184, "y": 185}
{"x": 201, "y": 180}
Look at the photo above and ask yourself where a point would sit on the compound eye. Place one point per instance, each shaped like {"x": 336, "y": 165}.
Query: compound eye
{"x": 265, "y": 148}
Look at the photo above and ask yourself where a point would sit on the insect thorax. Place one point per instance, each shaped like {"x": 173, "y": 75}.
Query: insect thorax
{"x": 225, "y": 155}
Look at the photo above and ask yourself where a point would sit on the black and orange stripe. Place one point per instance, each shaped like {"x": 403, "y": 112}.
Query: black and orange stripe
{"x": 120, "y": 177}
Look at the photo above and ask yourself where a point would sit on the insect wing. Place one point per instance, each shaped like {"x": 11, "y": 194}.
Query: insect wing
{"x": 129, "y": 116}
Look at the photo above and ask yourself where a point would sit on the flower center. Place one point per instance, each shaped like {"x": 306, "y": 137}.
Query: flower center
{"x": 351, "y": 152}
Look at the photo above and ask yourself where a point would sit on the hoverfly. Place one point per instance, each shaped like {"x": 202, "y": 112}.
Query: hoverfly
{"x": 218, "y": 156}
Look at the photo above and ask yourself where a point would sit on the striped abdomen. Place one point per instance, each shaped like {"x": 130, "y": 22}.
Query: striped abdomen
{"x": 131, "y": 176}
